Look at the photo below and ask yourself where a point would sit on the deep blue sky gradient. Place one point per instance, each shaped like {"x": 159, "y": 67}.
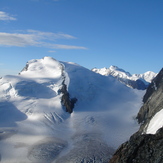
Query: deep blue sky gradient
{"x": 125, "y": 33}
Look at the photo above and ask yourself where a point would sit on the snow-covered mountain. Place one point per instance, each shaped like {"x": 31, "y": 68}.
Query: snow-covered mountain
{"x": 138, "y": 81}
{"x": 64, "y": 113}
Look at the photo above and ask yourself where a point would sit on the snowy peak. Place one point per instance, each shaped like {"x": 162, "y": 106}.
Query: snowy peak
{"x": 115, "y": 68}
{"x": 147, "y": 76}
{"x": 118, "y": 72}
{"x": 112, "y": 70}
{"x": 46, "y": 67}
{"x": 138, "y": 81}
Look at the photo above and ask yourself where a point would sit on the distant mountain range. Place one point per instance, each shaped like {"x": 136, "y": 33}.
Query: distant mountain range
{"x": 138, "y": 81}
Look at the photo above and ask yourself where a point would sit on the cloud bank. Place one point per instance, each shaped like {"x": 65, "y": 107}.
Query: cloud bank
{"x": 5, "y": 16}
{"x": 36, "y": 38}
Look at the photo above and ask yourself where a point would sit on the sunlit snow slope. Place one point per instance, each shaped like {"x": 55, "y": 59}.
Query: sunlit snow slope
{"x": 34, "y": 124}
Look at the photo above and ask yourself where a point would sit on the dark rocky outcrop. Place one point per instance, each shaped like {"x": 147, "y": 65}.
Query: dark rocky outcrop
{"x": 156, "y": 83}
{"x": 143, "y": 148}
{"x": 66, "y": 100}
{"x": 25, "y": 68}
{"x": 146, "y": 148}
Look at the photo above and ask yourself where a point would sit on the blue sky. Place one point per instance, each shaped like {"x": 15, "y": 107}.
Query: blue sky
{"x": 92, "y": 33}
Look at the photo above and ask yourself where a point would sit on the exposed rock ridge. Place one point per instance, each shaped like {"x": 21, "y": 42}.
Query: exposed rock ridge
{"x": 155, "y": 84}
{"x": 142, "y": 147}
{"x": 68, "y": 102}
{"x": 25, "y": 68}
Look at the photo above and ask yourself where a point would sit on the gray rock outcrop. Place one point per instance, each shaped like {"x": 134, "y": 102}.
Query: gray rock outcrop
{"x": 66, "y": 100}
{"x": 146, "y": 148}
{"x": 153, "y": 101}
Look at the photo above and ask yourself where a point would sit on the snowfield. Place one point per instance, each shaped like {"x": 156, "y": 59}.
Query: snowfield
{"x": 155, "y": 123}
{"x": 35, "y": 128}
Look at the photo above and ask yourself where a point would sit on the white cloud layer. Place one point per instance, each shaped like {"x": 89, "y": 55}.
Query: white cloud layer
{"x": 5, "y": 16}
{"x": 36, "y": 38}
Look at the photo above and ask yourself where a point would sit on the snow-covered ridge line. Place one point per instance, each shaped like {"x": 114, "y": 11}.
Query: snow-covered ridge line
{"x": 65, "y": 99}
{"x": 138, "y": 81}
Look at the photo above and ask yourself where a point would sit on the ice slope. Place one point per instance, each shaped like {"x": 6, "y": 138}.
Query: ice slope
{"x": 35, "y": 128}
{"x": 126, "y": 77}
{"x": 155, "y": 123}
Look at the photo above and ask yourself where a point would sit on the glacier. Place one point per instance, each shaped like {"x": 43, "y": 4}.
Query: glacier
{"x": 34, "y": 124}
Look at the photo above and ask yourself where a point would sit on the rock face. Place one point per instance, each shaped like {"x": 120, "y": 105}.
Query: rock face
{"x": 143, "y": 147}
{"x": 153, "y": 101}
{"x": 66, "y": 100}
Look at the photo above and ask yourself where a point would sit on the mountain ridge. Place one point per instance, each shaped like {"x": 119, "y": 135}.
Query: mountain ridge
{"x": 136, "y": 81}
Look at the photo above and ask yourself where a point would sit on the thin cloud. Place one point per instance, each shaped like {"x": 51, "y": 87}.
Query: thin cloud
{"x": 50, "y": 35}
{"x": 16, "y": 39}
{"x": 36, "y": 38}
{"x": 59, "y": 46}
{"x": 51, "y": 51}
{"x": 5, "y": 16}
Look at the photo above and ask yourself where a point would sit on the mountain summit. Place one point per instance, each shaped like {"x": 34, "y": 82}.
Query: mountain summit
{"x": 61, "y": 112}
{"x": 136, "y": 81}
